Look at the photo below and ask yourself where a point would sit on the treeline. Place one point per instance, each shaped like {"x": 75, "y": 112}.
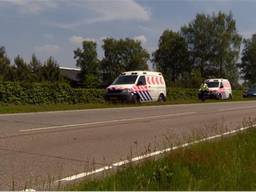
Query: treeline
{"x": 34, "y": 71}
{"x": 207, "y": 47}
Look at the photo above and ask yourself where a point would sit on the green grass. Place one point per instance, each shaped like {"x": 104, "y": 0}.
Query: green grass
{"x": 224, "y": 164}
{"x": 12, "y": 108}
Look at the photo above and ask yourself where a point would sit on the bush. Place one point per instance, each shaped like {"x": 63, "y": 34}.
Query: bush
{"x": 46, "y": 93}
{"x": 181, "y": 94}
{"x": 51, "y": 93}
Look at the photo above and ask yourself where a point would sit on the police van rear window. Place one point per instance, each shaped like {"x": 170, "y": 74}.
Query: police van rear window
{"x": 125, "y": 79}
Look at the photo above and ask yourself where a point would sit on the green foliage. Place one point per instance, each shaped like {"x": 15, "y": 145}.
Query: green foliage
{"x": 248, "y": 64}
{"x": 171, "y": 58}
{"x": 36, "y": 71}
{"x": 86, "y": 59}
{"x": 122, "y": 55}
{"x": 214, "y": 45}
{"x": 23, "y": 71}
{"x": 50, "y": 71}
{"x": 54, "y": 93}
{"x": 47, "y": 93}
{"x": 32, "y": 72}
{"x": 181, "y": 94}
{"x": 5, "y": 69}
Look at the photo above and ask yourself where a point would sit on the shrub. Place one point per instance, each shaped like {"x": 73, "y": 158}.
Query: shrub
{"x": 51, "y": 93}
{"x": 46, "y": 93}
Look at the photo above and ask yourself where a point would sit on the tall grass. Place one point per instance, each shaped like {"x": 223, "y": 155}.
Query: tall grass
{"x": 224, "y": 164}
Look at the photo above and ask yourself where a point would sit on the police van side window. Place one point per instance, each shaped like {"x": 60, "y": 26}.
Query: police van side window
{"x": 141, "y": 81}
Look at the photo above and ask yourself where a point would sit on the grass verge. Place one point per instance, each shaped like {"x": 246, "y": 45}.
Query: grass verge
{"x": 12, "y": 108}
{"x": 223, "y": 164}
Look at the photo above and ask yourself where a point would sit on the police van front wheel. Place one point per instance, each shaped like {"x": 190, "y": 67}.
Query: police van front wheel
{"x": 219, "y": 97}
{"x": 161, "y": 98}
{"x": 135, "y": 99}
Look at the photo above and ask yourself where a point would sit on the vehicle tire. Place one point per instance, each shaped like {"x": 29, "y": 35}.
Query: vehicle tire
{"x": 230, "y": 97}
{"x": 135, "y": 99}
{"x": 219, "y": 96}
{"x": 161, "y": 98}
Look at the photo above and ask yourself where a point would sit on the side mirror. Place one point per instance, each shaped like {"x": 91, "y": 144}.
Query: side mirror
{"x": 221, "y": 86}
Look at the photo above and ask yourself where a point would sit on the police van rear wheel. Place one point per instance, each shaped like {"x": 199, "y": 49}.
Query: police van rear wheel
{"x": 161, "y": 98}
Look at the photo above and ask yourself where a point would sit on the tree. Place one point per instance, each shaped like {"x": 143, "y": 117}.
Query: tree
{"x": 171, "y": 57}
{"x": 36, "y": 68}
{"x": 23, "y": 71}
{"x": 5, "y": 68}
{"x": 214, "y": 45}
{"x": 248, "y": 60}
{"x": 226, "y": 46}
{"x": 51, "y": 71}
{"x": 122, "y": 55}
{"x": 198, "y": 35}
{"x": 86, "y": 59}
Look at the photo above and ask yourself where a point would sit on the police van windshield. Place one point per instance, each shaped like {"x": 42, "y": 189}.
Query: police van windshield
{"x": 212, "y": 84}
{"x": 125, "y": 79}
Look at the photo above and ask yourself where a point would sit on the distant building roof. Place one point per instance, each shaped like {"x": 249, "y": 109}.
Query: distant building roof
{"x": 70, "y": 73}
{"x": 70, "y": 68}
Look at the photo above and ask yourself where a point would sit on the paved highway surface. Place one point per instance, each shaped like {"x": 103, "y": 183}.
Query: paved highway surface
{"x": 38, "y": 147}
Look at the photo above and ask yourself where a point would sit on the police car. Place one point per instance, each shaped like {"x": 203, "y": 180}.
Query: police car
{"x": 137, "y": 86}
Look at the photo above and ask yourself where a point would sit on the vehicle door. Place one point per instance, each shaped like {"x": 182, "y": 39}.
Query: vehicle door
{"x": 143, "y": 89}
{"x": 227, "y": 88}
{"x": 222, "y": 91}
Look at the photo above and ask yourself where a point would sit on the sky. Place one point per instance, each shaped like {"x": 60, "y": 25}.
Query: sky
{"x": 57, "y": 27}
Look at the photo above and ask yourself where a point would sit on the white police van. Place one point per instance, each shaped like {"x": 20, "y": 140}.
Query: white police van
{"x": 137, "y": 86}
{"x": 219, "y": 88}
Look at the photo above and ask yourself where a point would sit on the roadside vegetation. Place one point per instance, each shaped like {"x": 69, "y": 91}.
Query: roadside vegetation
{"x": 16, "y": 97}
{"x": 223, "y": 164}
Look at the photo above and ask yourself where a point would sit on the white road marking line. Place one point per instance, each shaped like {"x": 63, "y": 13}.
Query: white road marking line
{"x": 237, "y": 108}
{"x": 110, "y": 121}
{"x": 120, "y": 163}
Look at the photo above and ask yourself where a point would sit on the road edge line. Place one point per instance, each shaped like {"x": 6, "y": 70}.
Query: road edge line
{"x": 156, "y": 153}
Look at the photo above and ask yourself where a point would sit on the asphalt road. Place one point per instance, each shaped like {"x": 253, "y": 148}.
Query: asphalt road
{"x": 39, "y": 148}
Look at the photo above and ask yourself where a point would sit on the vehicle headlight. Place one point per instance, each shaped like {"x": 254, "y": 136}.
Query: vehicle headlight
{"x": 126, "y": 90}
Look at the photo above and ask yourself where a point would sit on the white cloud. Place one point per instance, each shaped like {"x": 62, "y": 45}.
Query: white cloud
{"x": 31, "y": 6}
{"x": 106, "y": 11}
{"x": 48, "y": 49}
{"x": 141, "y": 38}
{"x": 77, "y": 40}
{"x": 100, "y": 10}
{"x": 118, "y": 10}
